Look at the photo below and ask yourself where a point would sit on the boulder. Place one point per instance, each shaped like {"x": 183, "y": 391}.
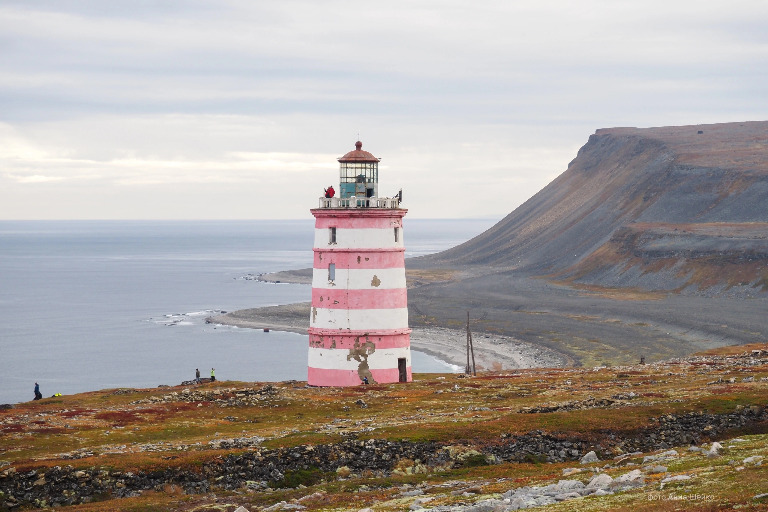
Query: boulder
{"x": 601, "y": 481}
{"x": 634, "y": 478}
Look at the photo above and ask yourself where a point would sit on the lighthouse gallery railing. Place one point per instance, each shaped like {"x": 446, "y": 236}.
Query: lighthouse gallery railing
{"x": 359, "y": 202}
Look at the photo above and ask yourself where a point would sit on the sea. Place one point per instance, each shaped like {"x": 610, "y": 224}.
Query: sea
{"x": 91, "y": 305}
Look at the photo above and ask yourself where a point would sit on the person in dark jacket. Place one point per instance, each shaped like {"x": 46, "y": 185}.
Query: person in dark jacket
{"x": 38, "y": 394}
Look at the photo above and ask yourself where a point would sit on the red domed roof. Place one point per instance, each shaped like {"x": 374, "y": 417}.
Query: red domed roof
{"x": 358, "y": 155}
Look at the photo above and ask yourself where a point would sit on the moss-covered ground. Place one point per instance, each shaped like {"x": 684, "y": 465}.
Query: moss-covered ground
{"x": 147, "y": 429}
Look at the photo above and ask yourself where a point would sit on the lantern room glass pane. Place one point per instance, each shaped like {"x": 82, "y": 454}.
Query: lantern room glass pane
{"x": 358, "y": 175}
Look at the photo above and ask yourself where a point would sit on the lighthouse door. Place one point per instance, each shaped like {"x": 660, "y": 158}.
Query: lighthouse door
{"x": 402, "y": 370}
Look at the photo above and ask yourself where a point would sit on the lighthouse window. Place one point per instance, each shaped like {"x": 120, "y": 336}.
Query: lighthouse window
{"x": 332, "y": 272}
{"x": 397, "y": 235}
{"x": 331, "y": 235}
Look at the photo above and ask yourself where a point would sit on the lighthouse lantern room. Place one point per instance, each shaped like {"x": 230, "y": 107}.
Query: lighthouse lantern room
{"x": 359, "y": 173}
{"x": 359, "y": 320}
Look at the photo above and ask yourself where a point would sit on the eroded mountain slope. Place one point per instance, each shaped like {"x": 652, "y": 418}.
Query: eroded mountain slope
{"x": 673, "y": 208}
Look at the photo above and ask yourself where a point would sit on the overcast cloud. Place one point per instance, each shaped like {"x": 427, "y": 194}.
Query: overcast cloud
{"x": 239, "y": 109}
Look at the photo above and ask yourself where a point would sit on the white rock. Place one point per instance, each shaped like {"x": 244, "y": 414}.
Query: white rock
{"x": 241, "y": 509}
{"x": 548, "y": 490}
{"x": 669, "y": 454}
{"x": 600, "y": 481}
{"x": 544, "y": 500}
{"x": 568, "y": 485}
{"x": 755, "y": 459}
{"x": 486, "y": 506}
{"x": 676, "y": 478}
{"x": 567, "y": 496}
{"x": 589, "y": 458}
{"x": 634, "y": 478}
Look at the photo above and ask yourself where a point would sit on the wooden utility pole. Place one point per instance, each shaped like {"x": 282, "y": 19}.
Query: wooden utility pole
{"x": 470, "y": 370}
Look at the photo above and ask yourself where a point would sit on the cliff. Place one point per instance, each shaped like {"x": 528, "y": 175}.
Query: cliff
{"x": 673, "y": 208}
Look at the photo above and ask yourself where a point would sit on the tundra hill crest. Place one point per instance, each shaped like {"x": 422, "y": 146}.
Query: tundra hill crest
{"x": 619, "y": 439}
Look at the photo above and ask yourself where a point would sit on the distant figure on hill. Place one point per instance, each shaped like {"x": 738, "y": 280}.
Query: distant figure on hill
{"x": 330, "y": 192}
{"x": 197, "y": 375}
{"x": 213, "y": 375}
{"x": 38, "y": 394}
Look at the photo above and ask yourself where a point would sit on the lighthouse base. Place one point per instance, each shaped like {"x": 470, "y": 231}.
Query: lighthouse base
{"x": 351, "y": 358}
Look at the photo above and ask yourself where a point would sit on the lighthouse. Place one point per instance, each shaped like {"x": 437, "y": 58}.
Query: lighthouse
{"x": 359, "y": 320}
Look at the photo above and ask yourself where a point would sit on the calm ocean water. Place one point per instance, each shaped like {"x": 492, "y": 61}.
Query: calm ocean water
{"x": 88, "y": 305}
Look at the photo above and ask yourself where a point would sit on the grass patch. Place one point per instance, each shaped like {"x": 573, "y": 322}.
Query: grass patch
{"x": 306, "y": 477}
{"x": 474, "y": 460}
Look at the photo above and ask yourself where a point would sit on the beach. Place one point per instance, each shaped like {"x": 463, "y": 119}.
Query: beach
{"x": 492, "y": 352}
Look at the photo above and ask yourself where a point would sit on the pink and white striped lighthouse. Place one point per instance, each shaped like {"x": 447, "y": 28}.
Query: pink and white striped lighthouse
{"x": 359, "y": 321}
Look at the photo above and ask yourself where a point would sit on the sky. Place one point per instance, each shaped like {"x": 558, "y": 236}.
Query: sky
{"x": 230, "y": 109}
